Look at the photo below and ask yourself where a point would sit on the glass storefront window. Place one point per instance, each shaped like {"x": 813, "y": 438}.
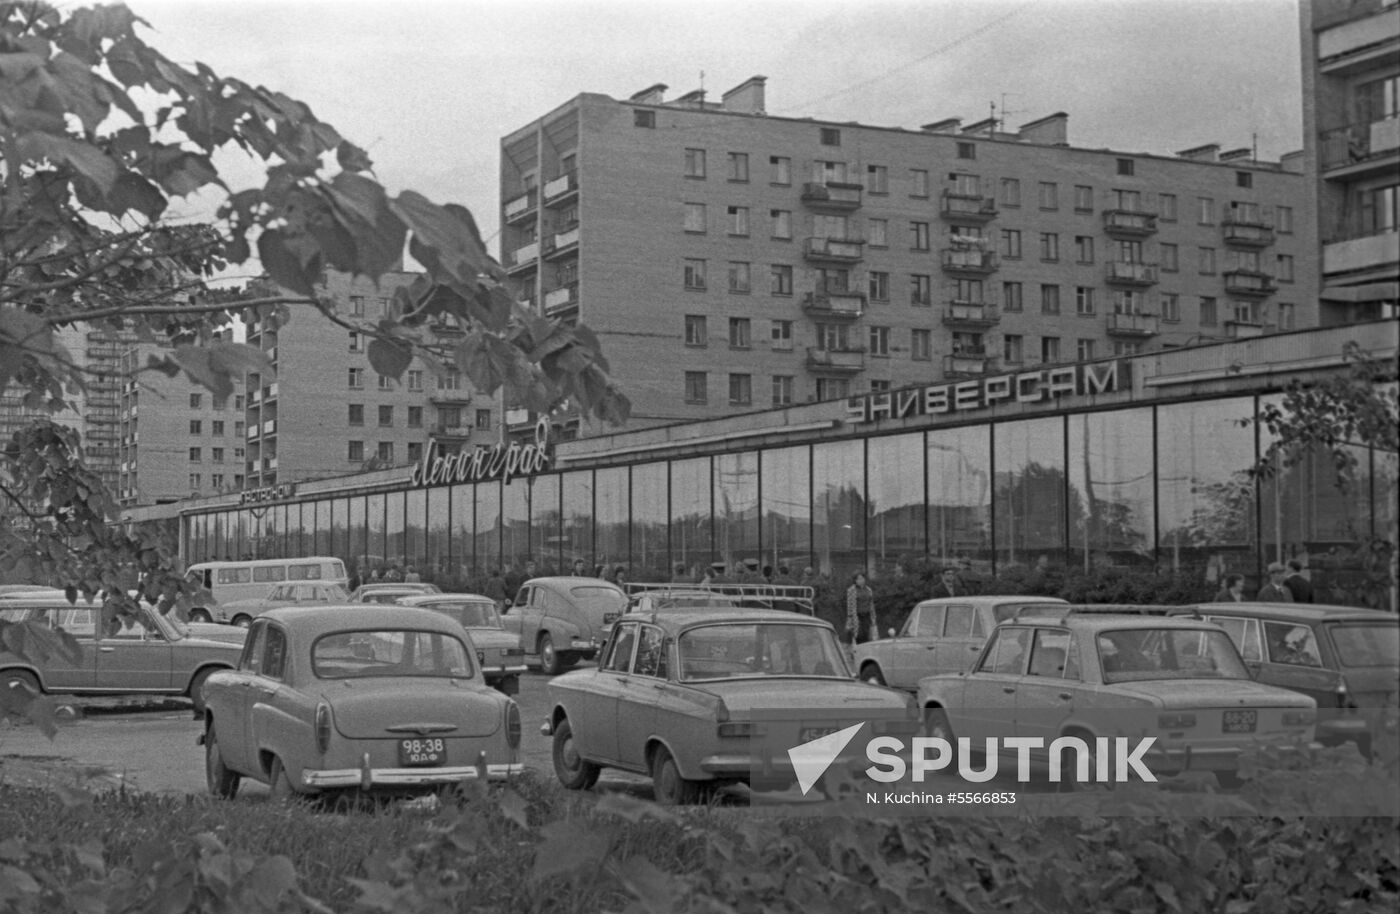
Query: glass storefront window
{"x": 546, "y": 529}
{"x": 896, "y": 535}
{"x": 1111, "y": 500}
{"x": 442, "y": 548}
{"x": 736, "y": 509}
{"x": 612, "y": 525}
{"x": 650, "y": 542}
{"x": 515, "y": 528}
{"x": 356, "y": 533}
{"x": 487, "y": 532}
{"x": 578, "y": 521}
{"x": 691, "y": 521}
{"x": 1029, "y": 495}
{"x": 415, "y": 527}
{"x": 321, "y": 527}
{"x": 787, "y": 508}
{"x": 960, "y": 496}
{"x": 377, "y": 543}
{"x": 838, "y": 508}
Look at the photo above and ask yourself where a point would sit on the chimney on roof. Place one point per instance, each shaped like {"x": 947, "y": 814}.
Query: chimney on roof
{"x": 1051, "y": 130}
{"x": 694, "y": 99}
{"x": 986, "y": 125}
{"x": 1242, "y": 153}
{"x": 1206, "y": 153}
{"x": 747, "y": 97}
{"x": 947, "y": 125}
{"x": 652, "y": 95}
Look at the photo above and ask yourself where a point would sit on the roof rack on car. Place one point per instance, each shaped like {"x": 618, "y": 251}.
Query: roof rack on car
{"x": 1051, "y": 611}
{"x": 791, "y": 597}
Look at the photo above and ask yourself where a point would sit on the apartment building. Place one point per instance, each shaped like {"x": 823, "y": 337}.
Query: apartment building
{"x": 1351, "y": 124}
{"x": 729, "y": 259}
{"x": 324, "y": 411}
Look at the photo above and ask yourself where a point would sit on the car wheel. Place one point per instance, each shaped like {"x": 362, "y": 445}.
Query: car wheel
{"x": 222, "y": 782}
{"x": 1229, "y": 780}
{"x": 669, "y": 788}
{"x": 20, "y": 681}
{"x": 242, "y": 621}
{"x": 200, "y": 615}
{"x": 282, "y": 789}
{"x": 871, "y": 673}
{"x": 936, "y": 725}
{"x": 573, "y": 772}
{"x": 196, "y": 692}
{"x": 550, "y": 663}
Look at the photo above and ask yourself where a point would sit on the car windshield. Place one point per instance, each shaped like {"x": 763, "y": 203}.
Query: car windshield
{"x": 599, "y": 599}
{"x": 1367, "y": 643}
{"x": 469, "y": 613}
{"x": 389, "y": 652}
{"x": 1005, "y": 611}
{"x": 1137, "y": 654}
{"x": 755, "y": 649}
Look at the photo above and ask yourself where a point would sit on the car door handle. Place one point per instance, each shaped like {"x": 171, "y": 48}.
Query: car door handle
{"x": 1066, "y": 696}
{"x": 931, "y": 647}
{"x": 1008, "y": 689}
{"x": 106, "y": 650}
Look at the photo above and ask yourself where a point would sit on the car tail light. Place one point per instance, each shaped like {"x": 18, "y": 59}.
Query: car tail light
{"x": 1176, "y": 721}
{"x": 736, "y": 728}
{"x": 1298, "y": 718}
{"x": 323, "y": 727}
{"x": 513, "y": 725}
{"x": 1342, "y": 692}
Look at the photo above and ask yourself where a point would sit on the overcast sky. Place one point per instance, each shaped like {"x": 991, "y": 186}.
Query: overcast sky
{"x": 429, "y": 88}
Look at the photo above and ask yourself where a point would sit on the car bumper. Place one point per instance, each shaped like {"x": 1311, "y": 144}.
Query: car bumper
{"x": 1343, "y": 729}
{"x": 1212, "y": 758}
{"x": 586, "y": 648}
{"x": 367, "y": 778}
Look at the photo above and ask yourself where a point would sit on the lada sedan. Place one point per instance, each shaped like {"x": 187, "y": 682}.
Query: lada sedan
{"x": 1095, "y": 675}
{"x": 293, "y": 593}
{"x": 497, "y": 650}
{"x": 151, "y": 654}
{"x": 375, "y": 698}
{"x": 940, "y": 636}
{"x": 390, "y": 592}
{"x": 680, "y": 696}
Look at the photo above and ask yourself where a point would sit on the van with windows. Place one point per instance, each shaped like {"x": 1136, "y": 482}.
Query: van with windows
{"x": 257, "y": 578}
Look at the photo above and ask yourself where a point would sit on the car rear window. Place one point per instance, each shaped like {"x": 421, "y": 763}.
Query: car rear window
{"x": 1367, "y": 644}
{"x": 759, "y": 649}
{"x": 469, "y": 613}
{"x": 1135, "y": 655}
{"x": 598, "y": 599}
{"x": 389, "y": 652}
{"x": 308, "y": 572}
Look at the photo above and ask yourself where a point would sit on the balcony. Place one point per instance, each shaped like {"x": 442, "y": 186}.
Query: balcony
{"x": 269, "y": 463}
{"x": 1247, "y": 233}
{"x": 969, "y": 260}
{"x": 971, "y": 314}
{"x": 1243, "y": 330}
{"x": 965, "y": 363}
{"x": 832, "y": 196}
{"x": 1360, "y": 149}
{"x": 835, "y": 304}
{"x": 835, "y": 250}
{"x": 1131, "y": 274}
{"x": 974, "y": 208}
{"x": 521, "y": 206}
{"x": 522, "y": 258}
{"x": 1139, "y": 326}
{"x": 836, "y": 361}
{"x": 1250, "y": 283}
{"x": 561, "y": 188}
{"x": 452, "y": 432}
{"x": 269, "y": 427}
{"x": 561, "y": 243}
{"x": 564, "y": 298}
{"x": 451, "y": 397}
{"x": 270, "y": 391}
{"x": 253, "y": 431}
{"x": 1129, "y": 223}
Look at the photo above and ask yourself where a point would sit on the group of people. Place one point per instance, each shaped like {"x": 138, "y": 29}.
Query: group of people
{"x": 389, "y": 574}
{"x": 1287, "y": 584}
{"x": 863, "y": 625}
{"x": 747, "y": 571}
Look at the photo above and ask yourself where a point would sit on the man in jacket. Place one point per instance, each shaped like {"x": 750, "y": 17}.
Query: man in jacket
{"x": 1276, "y": 591}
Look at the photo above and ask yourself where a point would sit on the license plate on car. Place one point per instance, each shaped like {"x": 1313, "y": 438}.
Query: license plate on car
{"x": 810, "y": 733}
{"x": 1240, "y": 721}
{"x": 422, "y": 752}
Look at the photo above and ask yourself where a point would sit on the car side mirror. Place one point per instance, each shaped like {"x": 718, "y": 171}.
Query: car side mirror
{"x": 890, "y": 633}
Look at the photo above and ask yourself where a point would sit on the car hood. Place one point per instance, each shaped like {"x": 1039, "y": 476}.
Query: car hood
{"x": 493, "y": 638}
{"x": 804, "y": 693}
{"x": 366, "y": 708}
{"x": 1215, "y": 693}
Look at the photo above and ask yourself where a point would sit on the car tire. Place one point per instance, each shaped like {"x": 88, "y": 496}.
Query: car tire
{"x": 242, "y": 621}
{"x": 551, "y": 664}
{"x": 223, "y": 783}
{"x": 19, "y": 679}
{"x": 571, "y": 769}
{"x": 200, "y": 615}
{"x": 281, "y": 783}
{"x": 668, "y": 787}
{"x": 871, "y": 673}
{"x": 936, "y": 724}
{"x": 196, "y": 691}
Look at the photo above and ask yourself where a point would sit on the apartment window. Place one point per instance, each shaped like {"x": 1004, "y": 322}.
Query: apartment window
{"x": 969, "y": 290}
{"x": 695, "y": 163}
{"x": 921, "y": 345}
{"x": 194, "y": 455}
{"x": 1244, "y": 179}
{"x": 1049, "y": 299}
{"x": 1284, "y": 219}
{"x": 879, "y": 230}
{"x": 483, "y": 419}
{"x": 920, "y": 290}
{"x": 415, "y": 379}
{"x": 1049, "y": 246}
{"x": 740, "y": 390}
{"x": 386, "y": 451}
{"x": 1128, "y": 301}
{"x": 386, "y": 382}
{"x": 357, "y": 379}
{"x": 1205, "y": 211}
{"x": 780, "y": 168}
{"x": 1209, "y": 317}
{"x": 825, "y": 172}
{"x": 740, "y": 333}
{"x": 1049, "y": 195}
{"x": 1206, "y": 260}
{"x": 356, "y": 414}
{"x": 879, "y": 386}
{"x": 695, "y": 220}
{"x": 1284, "y": 273}
{"x": 695, "y": 334}
{"x": 449, "y": 416}
{"x": 880, "y": 341}
{"x": 879, "y": 286}
{"x": 1084, "y": 248}
{"x": 196, "y": 400}
{"x": 738, "y": 220}
{"x": 967, "y": 150}
{"x": 1121, "y": 348}
{"x": 1242, "y": 260}
{"x": 695, "y": 390}
{"x": 1011, "y": 243}
{"x": 642, "y": 118}
{"x": 238, "y": 429}
{"x": 217, "y": 429}
{"x": 780, "y": 334}
{"x": 1166, "y": 206}
{"x": 919, "y": 180}
{"x": 1049, "y": 349}
{"x": 1286, "y": 317}
{"x": 194, "y": 481}
{"x": 833, "y": 388}
{"x": 386, "y": 417}
{"x": 1125, "y": 167}
{"x": 217, "y": 480}
{"x": 739, "y": 166}
{"x": 415, "y": 417}
{"x": 740, "y": 277}
{"x": 238, "y": 401}
{"x": 782, "y": 390}
{"x": 450, "y": 380}
{"x": 1378, "y": 209}
{"x": 1243, "y": 312}
{"x": 1084, "y": 350}
{"x": 918, "y": 232}
{"x": 1083, "y": 198}
{"x": 385, "y": 310}
{"x": 1171, "y": 258}
{"x": 782, "y": 223}
{"x": 1084, "y": 300}
{"x": 357, "y": 305}
{"x": 780, "y": 279}
{"x": 1013, "y": 348}
{"x": 833, "y": 337}
{"x": 694, "y": 274}
{"x": 196, "y": 427}
{"x": 1171, "y": 307}
{"x": 1010, "y": 191}
{"x": 1011, "y": 296}
{"x": 877, "y": 179}
{"x": 415, "y": 451}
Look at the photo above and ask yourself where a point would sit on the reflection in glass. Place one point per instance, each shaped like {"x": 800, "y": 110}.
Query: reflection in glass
{"x": 578, "y": 519}
{"x": 1029, "y": 495}
{"x": 441, "y": 546}
{"x": 322, "y": 524}
{"x": 612, "y": 501}
{"x": 545, "y": 527}
{"x": 393, "y": 529}
{"x": 960, "y": 495}
{"x": 787, "y": 508}
{"x": 340, "y": 534}
{"x": 355, "y": 536}
{"x": 376, "y": 548}
{"x": 650, "y": 490}
{"x": 515, "y": 525}
{"x": 838, "y": 507}
{"x": 896, "y": 501}
{"x": 736, "y": 508}
{"x": 1111, "y": 495}
{"x": 486, "y": 531}
{"x": 691, "y": 539}
{"x": 414, "y": 520}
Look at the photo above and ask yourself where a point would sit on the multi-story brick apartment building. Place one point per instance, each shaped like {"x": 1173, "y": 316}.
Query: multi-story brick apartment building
{"x": 326, "y": 412}
{"x": 729, "y": 259}
{"x": 1351, "y": 123}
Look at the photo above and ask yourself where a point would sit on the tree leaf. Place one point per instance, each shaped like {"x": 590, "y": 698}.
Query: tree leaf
{"x": 389, "y": 358}
{"x": 282, "y": 265}
{"x": 87, "y": 160}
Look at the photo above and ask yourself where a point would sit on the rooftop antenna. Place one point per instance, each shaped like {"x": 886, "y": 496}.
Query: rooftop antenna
{"x": 702, "y": 87}
{"x": 1254, "y": 146}
{"x": 1004, "y": 112}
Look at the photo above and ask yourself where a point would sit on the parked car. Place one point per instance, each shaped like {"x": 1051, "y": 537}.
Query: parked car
{"x": 1346, "y": 659}
{"x": 674, "y": 694}
{"x": 497, "y": 650}
{"x": 375, "y": 698}
{"x": 257, "y": 578}
{"x": 390, "y": 593}
{"x": 1093, "y": 675}
{"x": 939, "y": 636}
{"x": 562, "y": 620}
{"x": 148, "y": 655}
{"x": 300, "y": 593}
